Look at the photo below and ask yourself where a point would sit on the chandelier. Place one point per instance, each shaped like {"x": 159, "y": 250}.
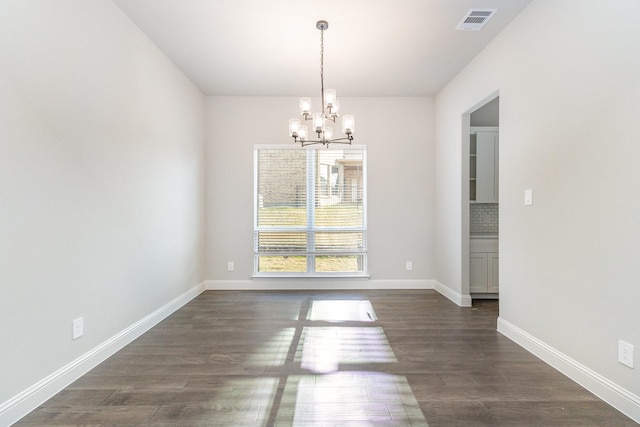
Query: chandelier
{"x": 330, "y": 108}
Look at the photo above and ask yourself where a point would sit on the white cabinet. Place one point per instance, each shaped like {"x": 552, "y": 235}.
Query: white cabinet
{"x": 478, "y": 272}
{"x": 483, "y": 167}
{"x": 492, "y": 273}
{"x": 483, "y": 266}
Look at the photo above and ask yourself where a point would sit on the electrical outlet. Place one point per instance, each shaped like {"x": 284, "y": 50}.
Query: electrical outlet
{"x": 230, "y": 266}
{"x": 409, "y": 266}
{"x": 625, "y": 353}
{"x": 77, "y": 328}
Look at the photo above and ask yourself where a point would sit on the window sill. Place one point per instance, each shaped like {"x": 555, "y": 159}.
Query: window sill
{"x": 310, "y": 276}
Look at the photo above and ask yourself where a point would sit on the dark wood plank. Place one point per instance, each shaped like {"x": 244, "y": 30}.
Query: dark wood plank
{"x": 261, "y": 358}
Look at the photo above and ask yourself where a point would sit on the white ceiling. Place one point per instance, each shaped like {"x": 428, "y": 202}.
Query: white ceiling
{"x": 272, "y": 47}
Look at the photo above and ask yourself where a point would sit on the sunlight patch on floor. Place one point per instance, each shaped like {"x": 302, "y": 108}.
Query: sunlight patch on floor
{"x": 342, "y": 311}
{"x": 358, "y": 398}
{"x": 325, "y": 349}
{"x": 274, "y": 351}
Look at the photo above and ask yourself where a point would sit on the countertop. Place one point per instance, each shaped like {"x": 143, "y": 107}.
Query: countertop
{"x": 484, "y": 235}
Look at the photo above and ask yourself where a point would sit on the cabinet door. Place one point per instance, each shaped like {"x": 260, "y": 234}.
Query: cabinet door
{"x": 478, "y": 272}
{"x": 493, "y": 272}
{"x": 487, "y": 167}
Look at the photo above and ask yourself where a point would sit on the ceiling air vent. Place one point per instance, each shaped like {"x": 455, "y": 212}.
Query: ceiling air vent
{"x": 475, "y": 19}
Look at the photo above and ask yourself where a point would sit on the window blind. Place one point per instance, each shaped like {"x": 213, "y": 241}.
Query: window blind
{"x": 310, "y": 211}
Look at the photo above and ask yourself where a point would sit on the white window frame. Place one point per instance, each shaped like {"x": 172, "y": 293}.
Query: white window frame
{"x": 309, "y": 228}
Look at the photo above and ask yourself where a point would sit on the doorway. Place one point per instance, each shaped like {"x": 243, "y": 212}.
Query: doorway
{"x": 483, "y": 201}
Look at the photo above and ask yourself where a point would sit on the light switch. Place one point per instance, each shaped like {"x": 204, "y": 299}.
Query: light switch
{"x": 528, "y": 197}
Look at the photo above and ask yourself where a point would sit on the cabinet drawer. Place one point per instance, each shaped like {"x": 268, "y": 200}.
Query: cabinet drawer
{"x": 483, "y": 245}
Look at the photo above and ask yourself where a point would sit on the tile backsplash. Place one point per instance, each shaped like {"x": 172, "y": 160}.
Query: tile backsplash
{"x": 484, "y": 218}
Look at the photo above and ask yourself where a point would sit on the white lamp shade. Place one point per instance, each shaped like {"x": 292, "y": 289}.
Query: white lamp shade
{"x": 294, "y": 126}
{"x": 318, "y": 122}
{"x": 305, "y": 106}
{"x": 328, "y": 133}
{"x": 329, "y": 97}
{"x": 302, "y": 133}
{"x": 335, "y": 109}
{"x": 348, "y": 124}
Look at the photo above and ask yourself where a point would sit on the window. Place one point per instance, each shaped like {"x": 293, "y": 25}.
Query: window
{"x": 310, "y": 211}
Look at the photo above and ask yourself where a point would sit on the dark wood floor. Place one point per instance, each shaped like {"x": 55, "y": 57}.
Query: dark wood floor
{"x": 360, "y": 358}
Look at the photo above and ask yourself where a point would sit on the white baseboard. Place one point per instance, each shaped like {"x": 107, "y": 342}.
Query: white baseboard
{"x": 269, "y": 284}
{"x": 20, "y": 405}
{"x": 263, "y": 283}
{"x": 618, "y": 397}
{"x": 455, "y": 297}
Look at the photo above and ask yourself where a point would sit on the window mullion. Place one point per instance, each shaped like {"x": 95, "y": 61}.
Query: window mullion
{"x": 311, "y": 210}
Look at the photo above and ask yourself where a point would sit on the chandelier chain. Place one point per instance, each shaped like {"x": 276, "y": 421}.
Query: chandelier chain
{"x": 322, "y": 67}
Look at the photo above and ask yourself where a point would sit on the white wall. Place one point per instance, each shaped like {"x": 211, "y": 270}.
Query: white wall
{"x": 101, "y": 182}
{"x": 398, "y": 133}
{"x": 568, "y": 74}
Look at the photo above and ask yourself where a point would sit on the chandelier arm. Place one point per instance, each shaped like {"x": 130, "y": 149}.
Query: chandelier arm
{"x": 307, "y": 143}
{"x": 345, "y": 140}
